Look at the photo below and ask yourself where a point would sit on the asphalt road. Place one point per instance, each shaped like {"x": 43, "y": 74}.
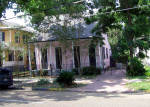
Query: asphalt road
{"x": 17, "y": 98}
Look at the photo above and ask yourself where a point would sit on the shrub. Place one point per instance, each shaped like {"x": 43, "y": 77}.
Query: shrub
{"x": 91, "y": 70}
{"x": 147, "y": 73}
{"x": 75, "y": 71}
{"x": 42, "y": 73}
{"x": 137, "y": 68}
{"x": 65, "y": 78}
{"x": 43, "y": 82}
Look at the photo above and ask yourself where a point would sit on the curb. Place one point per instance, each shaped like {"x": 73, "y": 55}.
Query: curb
{"x": 66, "y": 90}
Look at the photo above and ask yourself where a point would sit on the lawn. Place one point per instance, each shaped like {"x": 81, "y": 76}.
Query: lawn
{"x": 146, "y": 76}
{"x": 142, "y": 86}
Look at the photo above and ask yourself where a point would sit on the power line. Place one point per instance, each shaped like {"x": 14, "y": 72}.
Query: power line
{"x": 82, "y": 1}
{"x": 127, "y": 9}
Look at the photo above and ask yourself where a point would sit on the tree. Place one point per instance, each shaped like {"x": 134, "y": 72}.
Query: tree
{"x": 119, "y": 48}
{"x": 45, "y": 12}
{"x": 134, "y": 23}
{"x": 3, "y": 5}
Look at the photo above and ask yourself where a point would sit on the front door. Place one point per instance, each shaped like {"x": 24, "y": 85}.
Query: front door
{"x": 92, "y": 56}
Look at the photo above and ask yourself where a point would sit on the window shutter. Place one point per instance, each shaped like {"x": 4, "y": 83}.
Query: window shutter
{"x": 3, "y": 36}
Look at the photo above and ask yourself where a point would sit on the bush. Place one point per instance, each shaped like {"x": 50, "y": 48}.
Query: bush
{"x": 147, "y": 73}
{"x": 75, "y": 71}
{"x": 91, "y": 70}
{"x": 43, "y": 82}
{"x": 42, "y": 73}
{"x": 65, "y": 78}
{"x": 135, "y": 68}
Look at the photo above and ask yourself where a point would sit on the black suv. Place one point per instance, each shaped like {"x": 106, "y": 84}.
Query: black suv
{"x": 6, "y": 78}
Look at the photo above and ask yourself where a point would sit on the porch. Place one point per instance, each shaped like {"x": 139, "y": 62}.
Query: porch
{"x": 56, "y": 55}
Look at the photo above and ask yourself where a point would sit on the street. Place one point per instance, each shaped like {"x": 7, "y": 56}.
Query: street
{"x": 23, "y": 98}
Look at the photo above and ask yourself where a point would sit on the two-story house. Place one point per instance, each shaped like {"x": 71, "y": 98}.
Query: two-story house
{"x": 14, "y": 47}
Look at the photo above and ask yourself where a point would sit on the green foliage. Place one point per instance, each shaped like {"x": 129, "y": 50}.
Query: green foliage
{"x": 134, "y": 25}
{"x": 65, "y": 78}
{"x": 119, "y": 47}
{"x": 137, "y": 68}
{"x": 43, "y": 82}
{"x": 91, "y": 70}
{"x": 147, "y": 68}
{"x": 3, "y": 5}
{"x": 75, "y": 71}
{"x": 147, "y": 73}
{"x": 42, "y": 73}
{"x": 43, "y": 10}
{"x": 144, "y": 86}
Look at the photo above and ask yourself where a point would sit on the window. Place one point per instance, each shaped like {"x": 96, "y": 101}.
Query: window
{"x": 92, "y": 56}
{"x": 58, "y": 54}
{"x": 2, "y": 36}
{"x": 107, "y": 53}
{"x": 24, "y": 37}
{"x": 103, "y": 52}
{"x": 44, "y": 58}
{"x": 18, "y": 56}
{"x": 11, "y": 56}
{"x": 17, "y": 39}
{"x": 76, "y": 56}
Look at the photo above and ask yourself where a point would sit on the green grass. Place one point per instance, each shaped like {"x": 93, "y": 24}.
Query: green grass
{"x": 144, "y": 85}
{"x": 146, "y": 76}
{"x": 147, "y": 68}
{"x": 139, "y": 77}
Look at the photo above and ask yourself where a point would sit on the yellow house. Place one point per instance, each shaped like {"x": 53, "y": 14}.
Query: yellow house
{"x": 14, "y": 43}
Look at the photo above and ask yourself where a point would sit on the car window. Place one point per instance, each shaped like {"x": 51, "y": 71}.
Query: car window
{"x": 4, "y": 72}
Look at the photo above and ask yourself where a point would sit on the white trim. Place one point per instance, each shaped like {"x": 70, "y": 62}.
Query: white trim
{"x": 73, "y": 55}
{"x": 10, "y": 36}
{"x": 99, "y": 52}
{"x": 29, "y": 56}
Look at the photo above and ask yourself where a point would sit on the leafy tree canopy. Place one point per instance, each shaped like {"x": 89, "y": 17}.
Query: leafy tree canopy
{"x": 134, "y": 23}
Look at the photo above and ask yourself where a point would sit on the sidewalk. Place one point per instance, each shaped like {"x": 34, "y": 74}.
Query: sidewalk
{"x": 107, "y": 82}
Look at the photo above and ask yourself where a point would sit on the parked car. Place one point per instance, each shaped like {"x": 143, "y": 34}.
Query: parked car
{"x": 6, "y": 78}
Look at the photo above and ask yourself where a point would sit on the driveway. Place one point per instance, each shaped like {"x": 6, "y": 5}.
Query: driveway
{"x": 111, "y": 81}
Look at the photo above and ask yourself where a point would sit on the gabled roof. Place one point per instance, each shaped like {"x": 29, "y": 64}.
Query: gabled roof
{"x": 85, "y": 33}
{"x": 11, "y": 25}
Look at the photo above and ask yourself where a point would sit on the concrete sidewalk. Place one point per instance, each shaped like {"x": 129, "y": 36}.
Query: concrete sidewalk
{"x": 107, "y": 82}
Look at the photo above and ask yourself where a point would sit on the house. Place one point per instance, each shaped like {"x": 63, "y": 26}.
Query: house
{"x": 54, "y": 53}
{"x": 13, "y": 40}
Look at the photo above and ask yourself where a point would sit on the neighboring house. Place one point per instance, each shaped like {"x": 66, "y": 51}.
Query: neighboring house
{"x": 14, "y": 38}
{"x": 146, "y": 61}
{"x": 50, "y": 52}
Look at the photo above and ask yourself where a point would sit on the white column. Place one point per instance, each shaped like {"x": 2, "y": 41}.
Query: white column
{"x": 100, "y": 55}
{"x": 3, "y": 62}
{"x": 38, "y": 57}
{"x": 49, "y": 56}
{"x": 10, "y": 36}
{"x": 73, "y": 54}
{"x": 29, "y": 56}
